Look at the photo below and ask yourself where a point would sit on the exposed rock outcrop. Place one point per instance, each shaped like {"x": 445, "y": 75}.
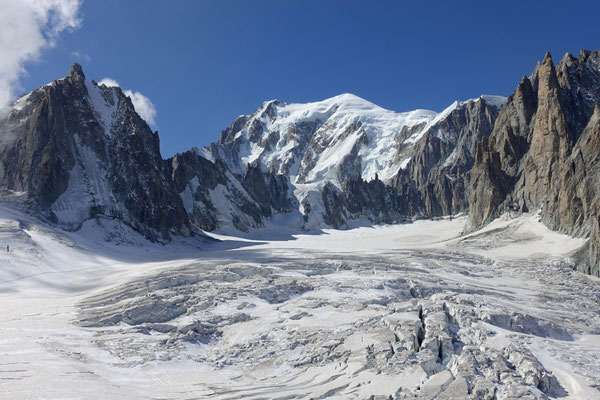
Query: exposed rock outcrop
{"x": 443, "y": 157}
{"x": 79, "y": 150}
{"x": 215, "y": 198}
{"x": 542, "y": 153}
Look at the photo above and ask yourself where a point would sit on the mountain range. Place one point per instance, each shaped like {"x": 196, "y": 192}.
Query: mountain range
{"x": 77, "y": 151}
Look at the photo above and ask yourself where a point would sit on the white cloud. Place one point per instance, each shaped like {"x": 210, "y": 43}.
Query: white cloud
{"x": 27, "y": 27}
{"x": 108, "y": 82}
{"x": 143, "y": 106}
{"x": 141, "y": 103}
{"x": 79, "y": 56}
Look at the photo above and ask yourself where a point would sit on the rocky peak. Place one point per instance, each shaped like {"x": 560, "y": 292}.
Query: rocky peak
{"x": 270, "y": 110}
{"x": 548, "y": 81}
{"x": 548, "y": 164}
{"x": 583, "y": 55}
{"x": 526, "y": 98}
{"x": 549, "y": 140}
{"x": 81, "y": 152}
{"x": 76, "y": 75}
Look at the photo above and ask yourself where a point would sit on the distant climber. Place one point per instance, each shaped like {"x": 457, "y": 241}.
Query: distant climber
{"x": 7, "y": 248}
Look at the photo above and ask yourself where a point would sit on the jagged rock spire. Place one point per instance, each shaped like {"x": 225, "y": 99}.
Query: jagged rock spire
{"x": 547, "y": 58}
{"x": 76, "y": 75}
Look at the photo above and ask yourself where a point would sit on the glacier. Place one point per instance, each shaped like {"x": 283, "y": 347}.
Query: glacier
{"x": 416, "y": 310}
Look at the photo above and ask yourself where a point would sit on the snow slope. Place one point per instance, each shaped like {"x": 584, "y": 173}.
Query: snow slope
{"x": 408, "y": 311}
{"x": 335, "y": 126}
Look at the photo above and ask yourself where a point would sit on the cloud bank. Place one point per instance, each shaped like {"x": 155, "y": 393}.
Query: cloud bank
{"x": 27, "y": 27}
{"x": 141, "y": 103}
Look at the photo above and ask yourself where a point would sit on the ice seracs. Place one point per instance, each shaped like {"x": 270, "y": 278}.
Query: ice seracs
{"x": 412, "y": 311}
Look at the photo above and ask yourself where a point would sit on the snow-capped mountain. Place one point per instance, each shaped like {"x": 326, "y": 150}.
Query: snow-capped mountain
{"x": 339, "y": 159}
{"x": 309, "y": 141}
{"x": 80, "y": 151}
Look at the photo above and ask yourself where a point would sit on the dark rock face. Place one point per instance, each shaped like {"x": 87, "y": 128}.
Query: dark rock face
{"x": 80, "y": 150}
{"x": 443, "y": 158}
{"x": 215, "y": 198}
{"x": 488, "y": 174}
{"x": 373, "y": 201}
{"x": 542, "y": 153}
{"x": 183, "y": 168}
{"x": 269, "y": 190}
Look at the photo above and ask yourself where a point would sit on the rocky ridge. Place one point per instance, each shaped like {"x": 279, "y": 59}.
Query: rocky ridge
{"x": 542, "y": 153}
{"x": 80, "y": 152}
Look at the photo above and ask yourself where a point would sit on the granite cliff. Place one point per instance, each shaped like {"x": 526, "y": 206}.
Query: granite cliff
{"x": 542, "y": 153}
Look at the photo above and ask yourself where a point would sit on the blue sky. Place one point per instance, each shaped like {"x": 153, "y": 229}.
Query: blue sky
{"x": 204, "y": 63}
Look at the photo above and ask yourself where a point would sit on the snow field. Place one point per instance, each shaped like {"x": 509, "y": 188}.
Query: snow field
{"x": 408, "y": 311}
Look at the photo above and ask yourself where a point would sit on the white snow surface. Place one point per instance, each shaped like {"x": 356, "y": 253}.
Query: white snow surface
{"x": 187, "y": 196}
{"x": 408, "y": 311}
{"x": 88, "y": 186}
{"x": 105, "y": 104}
